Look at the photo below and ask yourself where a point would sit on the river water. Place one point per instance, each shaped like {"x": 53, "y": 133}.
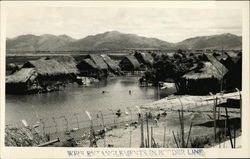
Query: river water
{"x": 77, "y": 99}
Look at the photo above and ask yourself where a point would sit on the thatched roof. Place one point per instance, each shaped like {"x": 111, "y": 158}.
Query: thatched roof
{"x": 68, "y": 62}
{"x": 47, "y": 67}
{"x": 98, "y": 60}
{"x": 205, "y": 70}
{"x": 111, "y": 63}
{"x": 235, "y": 57}
{"x": 146, "y": 57}
{"x": 219, "y": 66}
{"x": 22, "y": 75}
{"x": 87, "y": 64}
{"x": 133, "y": 61}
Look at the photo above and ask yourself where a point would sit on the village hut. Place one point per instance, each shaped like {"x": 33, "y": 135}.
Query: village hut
{"x": 22, "y": 82}
{"x": 88, "y": 68}
{"x": 129, "y": 63}
{"x": 51, "y": 74}
{"x": 144, "y": 58}
{"x": 68, "y": 62}
{"x": 98, "y": 60}
{"x": 207, "y": 76}
{"x": 112, "y": 65}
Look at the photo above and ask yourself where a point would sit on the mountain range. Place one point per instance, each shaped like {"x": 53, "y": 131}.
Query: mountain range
{"x": 114, "y": 40}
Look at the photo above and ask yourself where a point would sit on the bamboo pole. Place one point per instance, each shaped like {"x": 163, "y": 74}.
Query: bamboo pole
{"x": 182, "y": 129}
{"x": 175, "y": 140}
{"x": 189, "y": 134}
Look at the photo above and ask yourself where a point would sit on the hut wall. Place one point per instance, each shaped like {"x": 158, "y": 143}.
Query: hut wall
{"x": 202, "y": 86}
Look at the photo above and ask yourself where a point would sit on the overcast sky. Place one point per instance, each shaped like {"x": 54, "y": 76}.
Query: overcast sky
{"x": 172, "y": 25}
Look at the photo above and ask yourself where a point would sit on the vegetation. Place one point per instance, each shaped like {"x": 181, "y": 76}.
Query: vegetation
{"x": 166, "y": 67}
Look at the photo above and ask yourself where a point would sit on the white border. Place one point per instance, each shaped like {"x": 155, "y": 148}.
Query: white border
{"x": 34, "y": 152}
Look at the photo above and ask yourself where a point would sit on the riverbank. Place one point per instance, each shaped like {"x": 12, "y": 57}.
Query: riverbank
{"x": 124, "y": 134}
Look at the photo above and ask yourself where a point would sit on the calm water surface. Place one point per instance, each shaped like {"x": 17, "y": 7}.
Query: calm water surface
{"x": 77, "y": 99}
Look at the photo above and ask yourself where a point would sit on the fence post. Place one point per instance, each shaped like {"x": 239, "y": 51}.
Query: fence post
{"x": 164, "y": 137}
{"x": 103, "y": 125}
{"x": 142, "y": 133}
{"x": 214, "y": 115}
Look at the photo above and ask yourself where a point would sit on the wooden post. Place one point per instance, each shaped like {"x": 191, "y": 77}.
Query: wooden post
{"x": 146, "y": 143}
{"x": 152, "y": 136}
{"x": 142, "y": 134}
{"x": 240, "y": 108}
{"x": 234, "y": 137}
{"x": 164, "y": 137}
{"x": 225, "y": 130}
{"x": 176, "y": 142}
{"x": 189, "y": 134}
{"x": 103, "y": 125}
{"x": 229, "y": 131}
{"x": 182, "y": 128}
{"x": 215, "y": 120}
{"x": 147, "y": 130}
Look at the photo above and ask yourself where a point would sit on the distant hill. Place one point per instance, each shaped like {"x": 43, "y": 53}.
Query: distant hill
{"x": 227, "y": 41}
{"x": 46, "y": 42}
{"x": 114, "y": 40}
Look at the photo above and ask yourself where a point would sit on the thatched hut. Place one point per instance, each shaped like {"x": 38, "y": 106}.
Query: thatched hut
{"x": 51, "y": 74}
{"x": 23, "y": 81}
{"x": 129, "y": 63}
{"x": 100, "y": 63}
{"x": 145, "y": 59}
{"x": 98, "y": 60}
{"x": 88, "y": 68}
{"x": 112, "y": 65}
{"x": 68, "y": 62}
{"x": 205, "y": 77}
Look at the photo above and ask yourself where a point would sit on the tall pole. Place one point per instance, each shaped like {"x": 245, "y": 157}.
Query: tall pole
{"x": 142, "y": 133}
{"x": 240, "y": 107}
{"x": 103, "y": 125}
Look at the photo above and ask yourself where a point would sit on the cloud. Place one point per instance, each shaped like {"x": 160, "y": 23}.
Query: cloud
{"x": 172, "y": 25}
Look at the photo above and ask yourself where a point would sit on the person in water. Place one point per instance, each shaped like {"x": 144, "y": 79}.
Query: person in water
{"x": 130, "y": 92}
